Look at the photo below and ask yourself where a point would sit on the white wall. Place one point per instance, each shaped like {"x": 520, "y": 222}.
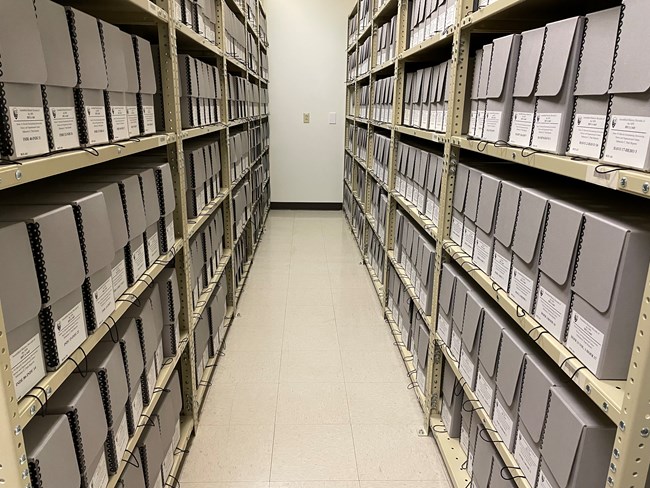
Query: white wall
{"x": 307, "y": 64}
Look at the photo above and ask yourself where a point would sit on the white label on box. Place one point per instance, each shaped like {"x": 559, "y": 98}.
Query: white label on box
{"x": 451, "y": 13}
{"x": 120, "y": 123}
{"x": 588, "y": 134}
{"x": 70, "y": 331}
{"x": 200, "y": 201}
{"x": 96, "y": 123}
{"x": 132, "y": 120}
{"x": 136, "y": 405}
{"x": 472, "y": 123}
{"x": 420, "y": 203}
{"x": 492, "y": 125}
{"x": 159, "y": 357}
{"x": 468, "y": 240}
{"x": 118, "y": 275}
{"x": 481, "y": 255}
{"x": 100, "y": 478}
{"x": 409, "y": 191}
{"x": 501, "y": 270}
{"x": 484, "y": 392}
{"x": 152, "y": 375}
{"x": 464, "y": 439}
{"x": 429, "y": 210}
{"x": 153, "y": 244}
{"x": 169, "y": 230}
{"x": 627, "y": 140}
{"x": 407, "y": 115}
{"x": 502, "y": 422}
{"x": 455, "y": 343}
{"x": 139, "y": 262}
{"x": 28, "y": 131}
{"x": 443, "y": 329}
{"x": 104, "y": 301}
{"x": 522, "y": 289}
{"x": 467, "y": 368}
{"x": 64, "y": 127}
{"x": 550, "y": 312}
{"x": 436, "y": 213}
{"x": 27, "y": 365}
{"x": 522, "y": 129}
{"x": 149, "y": 119}
{"x": 456, "y": 230}
{"x": 585, "y": 341}
{"x": 543, "y": 481}
{"x": 547, "y": 131}
{"x": 121, "y": 438}
{"x": 195, "y": 112}
{"x": 527, "y": 458}
{"x": 445, "y": 415}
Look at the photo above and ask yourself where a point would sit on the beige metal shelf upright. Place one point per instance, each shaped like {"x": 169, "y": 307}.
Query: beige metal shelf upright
{"x": 626, "y": 403}
{"x": 155, "y": 20}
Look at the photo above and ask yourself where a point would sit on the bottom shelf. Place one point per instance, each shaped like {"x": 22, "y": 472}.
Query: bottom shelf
{"x": 452, "y": 454}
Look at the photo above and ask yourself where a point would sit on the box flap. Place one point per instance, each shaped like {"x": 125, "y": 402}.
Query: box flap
{"x": 483, "y": 457}
{"x": 169, "y": 295}
{"x": 130, "y": 64}
{"x": 126, "y": 332}
{"x": 560, "y": 240}
{"x": 530, "y": 221}
{"x": 502, "y": 61}
{"x": 431, "y": 172}
{"x": 106, "y": 357}
{"x": 417, "y": 86}
{"x": 20, "y": 298}
{"x": 55, "y": 40}
{"x": 144, "y": 63}
{"x": 408, "y": 88}
{"x": 493, "y": 326}
{"x": 532, "y": 42}
{"x": 113, "y": 56}
{"x": 48, "y": 442}
{"x": 561, "y": 37}
{"x": 460, "y": 188}
{"x": 601, "y": 30}
{"x": 631, "y": 74}
{"x": 448, "y": 383}
{"x": 439, "y": 168}
{"x": 511, "y": 365}
{"x": 460, "y": 295}
{"x": 507, "y": 213}
{"x": 150, "y": 196}
{"x": 447, "y": 287}
{"x": 433, "y": 90}
{"x": 476, "y": 79}
{"x": 600, "y": 253}
{"x": 18, "y": 27}
{"x": 486, "y": 62}
{"x": 442, "y": 79}
{"x": 89, "y": 55}
{"x": 426, "y": 84}
{"x": 472, "y": 320}
{"x": 473, "y": 190}
{"x": 486, "y": 212}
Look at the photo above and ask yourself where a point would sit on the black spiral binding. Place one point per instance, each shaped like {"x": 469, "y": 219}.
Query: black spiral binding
{"x": 48, "y": 121}
{"x": 111, "y": 453}
{"x": 35, "y": 473}
{"x": 515, "y": 84}
{"x": 541, "y": 253}
{"x": 145, "y": 465}
{"x": 107, "y": 98}
{"x": 539, "y": 70}
{"x": 575, "y": 272}
{"x": 128, "y": 264}
{"x": 104, "y": 388}
{"x": 575, "y": 86}
{"x": 46, "y": 323}
{"x": 73, "y": 420}
{"x": 89, "y": 307}
{"x": 200, "y": 121}
{"x": 193, "y": 123}
{"x": 34, "y": 233}
{"x": 611, "y": 81}
{"x": 162, "y": 228}
{"x": 136, "y": 49}
{"x": 172, "y": 317}
{"x": 80, "y": 109}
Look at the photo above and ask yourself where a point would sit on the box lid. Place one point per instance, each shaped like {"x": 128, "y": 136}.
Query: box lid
{"x": 460, "y": 189}
{"x": 560, "y": 240}
{"x": 169, "y": 295}
{"x": 86, "y": 40}
{"x": 144, "y": 64}
{"x": 489, "y": 195}
{"x": 18, "y": 27}
{"x": 503, "y": 59}
{"x": 408, "y": 88}
{"x": 460, "y": 296}
{"x": 431, "y": 172}
{"x": 476, "y": 76}
{"x": 473, "y": 190}
{"x": 447, "y": 287}
{"x": 530, "y": 221}
{"x": 126, "y": 332}
{"x": 532, "y": 42}
{"x": 507, "y": 213}
{"x": 151, "y": 449}
{"x": 472, "y": 321}
{"x": 19, "y": 292}
{"x": 486, "y": 63}
{"x": 426, "y": 84}
{"x": 442, "y": 79}
{"x": 56, "y": 44}
{"x": 129, "y": 63}
{"x": 561, "y": 38}
{"x": 511, "y": 365}
{"x": 597, "y": 56}
{"x": 631, "y": 74}
{"x": 494, "y": 323}
{"x": 113, "y": 56}
{"x": 107, "y": 358}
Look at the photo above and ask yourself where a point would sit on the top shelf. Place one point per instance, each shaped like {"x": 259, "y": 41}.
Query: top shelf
{"x": 386, "y": 11}
{"x": 120, "y": 12}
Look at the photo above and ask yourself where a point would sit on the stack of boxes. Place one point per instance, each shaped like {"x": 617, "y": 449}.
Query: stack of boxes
{"x": 353, "y": 28}
{"x": 201, "y": 93}
{"x": 386, "y": 41}
{"x": 352, "y": 65}
{"x": 239, "y": 149}
{"x": 348, "y": 163}
{"x": 235, "y": 31}
{"x": 206, "y": 250}
{"x": 362, "y": 143}
{"x": 426, "y": 97}
{"x": 430, "y": 17}
{"x": 382, "y": 109}
{"x": 364, "y": 57}
{"x": 203, "y": 173}
{"x": 378, "y": 206}
{"x": 240, "y": 97}
{"x": 253, "y": 58}
{"x": 381, "y": 157}
{"x": 364, "y": 101}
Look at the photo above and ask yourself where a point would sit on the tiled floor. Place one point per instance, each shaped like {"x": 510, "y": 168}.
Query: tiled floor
{"x": 311, "y": 392}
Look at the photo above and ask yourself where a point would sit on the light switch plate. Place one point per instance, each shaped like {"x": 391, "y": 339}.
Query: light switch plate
{"x": 305, "y": 118}
{"x": 332, "y": 118}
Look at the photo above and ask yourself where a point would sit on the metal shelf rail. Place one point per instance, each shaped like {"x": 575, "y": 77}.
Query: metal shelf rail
{"x": 156, "y": 21}
{"x": 626, "y": 403}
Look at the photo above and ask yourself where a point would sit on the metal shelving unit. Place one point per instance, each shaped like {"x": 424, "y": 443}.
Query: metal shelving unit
{"x": 155, "y": 21}
{"x": 626, "y": 403}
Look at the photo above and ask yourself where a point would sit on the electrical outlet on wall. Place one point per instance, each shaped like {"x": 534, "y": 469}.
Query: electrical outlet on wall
{"x": 305, "y": 118}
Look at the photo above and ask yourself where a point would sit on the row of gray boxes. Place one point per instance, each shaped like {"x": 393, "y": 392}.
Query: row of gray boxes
{"x": 352, "y": 66}
{"x": 426, "y": 97}
{"x": 587, "y": 99}
{"x": 243, "y": 98}
{"x": 81, "y": 438}
{"x": 86, "y": 83}
{"x": 363, "y": 51}
{"x": 386, "y": 41}
{"x": 382, "y": 110}
{"x": 72, "y": 248}
{"x": 235, "y": 35}
{"x": 242, "y": 202}
{"x": 203, "y": 173}
{"x": 362, "y": 143}
{"x": 557, "y": 436}
{"x": 378, "y": 208}
{"x": 354, "y": 212}
{"x": 419, "y": 179}
{"x": 206, "y": 250}
{"x": 575, "y": 264}
{"x": 199, "y": 15}
{"x": 364, "y": 101}
{"x": 201, "y": 93}
{"x": 430, "y": 17}
{"x": 240, "y": 154}
{"x": 380, "y": 158}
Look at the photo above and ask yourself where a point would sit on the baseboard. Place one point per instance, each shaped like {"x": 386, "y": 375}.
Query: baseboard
{"x": 305, "y": 206}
